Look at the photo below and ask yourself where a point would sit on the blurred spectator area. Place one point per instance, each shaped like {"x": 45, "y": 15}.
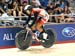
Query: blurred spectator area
{"x": 53, "y": 7}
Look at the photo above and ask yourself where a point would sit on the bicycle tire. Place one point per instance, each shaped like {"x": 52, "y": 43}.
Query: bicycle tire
{"x": 20, "y": 37}
{"x": 51, "y": 39}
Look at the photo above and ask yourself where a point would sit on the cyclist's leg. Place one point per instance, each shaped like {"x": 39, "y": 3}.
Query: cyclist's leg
{"x": 39, "y": 27}
{"x": 33, "y": 27}
{"x": 34, "y": 34}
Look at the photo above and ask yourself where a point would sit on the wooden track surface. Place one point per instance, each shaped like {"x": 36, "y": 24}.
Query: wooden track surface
{"x": 66, "y": 49}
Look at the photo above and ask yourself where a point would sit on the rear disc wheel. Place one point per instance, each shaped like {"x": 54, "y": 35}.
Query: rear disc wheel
{"x": 50, "y": 39}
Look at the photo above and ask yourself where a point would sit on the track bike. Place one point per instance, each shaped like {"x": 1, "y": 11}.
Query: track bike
{"x": 24, "y": 38}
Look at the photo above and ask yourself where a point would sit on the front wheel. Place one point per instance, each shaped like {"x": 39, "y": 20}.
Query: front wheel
{"x": 51, "y": 39}
{"x": 23, "y": 41}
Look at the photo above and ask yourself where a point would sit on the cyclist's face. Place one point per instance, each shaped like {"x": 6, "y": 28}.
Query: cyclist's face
{"x": 28, "y": 12}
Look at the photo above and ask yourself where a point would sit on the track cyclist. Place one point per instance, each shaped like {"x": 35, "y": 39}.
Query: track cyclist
{"x": 41, "y": 17}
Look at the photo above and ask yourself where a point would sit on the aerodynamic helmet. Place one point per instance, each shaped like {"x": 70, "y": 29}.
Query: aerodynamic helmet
{"x": 28, "y": 7}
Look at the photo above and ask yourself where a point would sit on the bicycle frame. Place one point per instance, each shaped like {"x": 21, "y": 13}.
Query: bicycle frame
{"x": 33, "y": 35}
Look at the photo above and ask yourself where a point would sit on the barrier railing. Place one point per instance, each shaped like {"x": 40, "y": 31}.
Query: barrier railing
{"x": 20, "y": 22}
{"x": 71, "y": 15}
